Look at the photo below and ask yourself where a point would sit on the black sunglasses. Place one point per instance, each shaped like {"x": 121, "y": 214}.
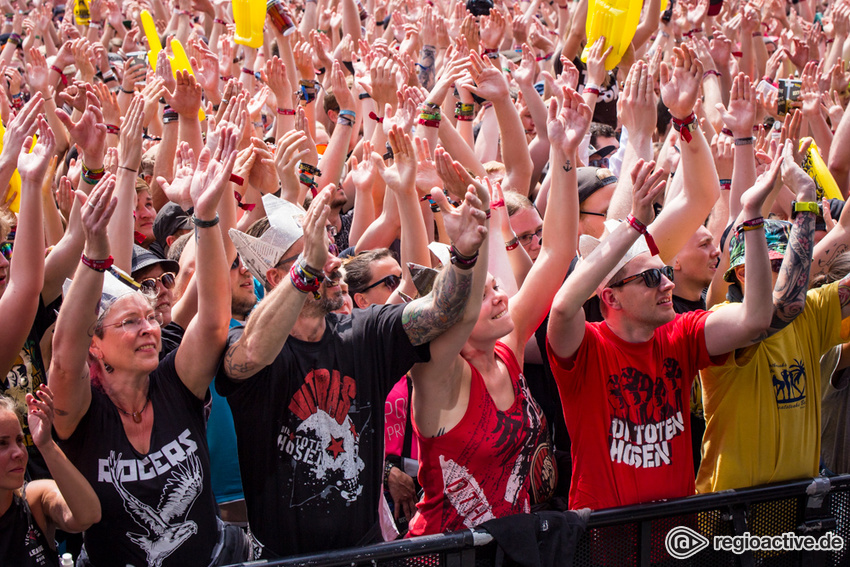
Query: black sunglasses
{"x": 651, "y": 277}
{"x": 392, "y": 281}
{"x": 167, "y": 280}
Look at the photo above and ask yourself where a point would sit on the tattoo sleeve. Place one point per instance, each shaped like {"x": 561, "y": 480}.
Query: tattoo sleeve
{"x": 234, "y": 364}
{"x": 426, "y": 66}
{"x": 789, "y": 294}
{"x": 427, "y": 318}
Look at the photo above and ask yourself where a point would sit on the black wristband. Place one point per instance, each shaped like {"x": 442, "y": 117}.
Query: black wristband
{"x": 205, "y": 223}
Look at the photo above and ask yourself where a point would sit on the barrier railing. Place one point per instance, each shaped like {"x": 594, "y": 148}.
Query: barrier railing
{"x": 638, "y": 535}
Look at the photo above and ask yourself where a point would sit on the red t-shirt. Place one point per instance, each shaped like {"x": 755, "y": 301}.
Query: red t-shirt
{"x": 490, "y": 465}
{"x": 626, "y": 409}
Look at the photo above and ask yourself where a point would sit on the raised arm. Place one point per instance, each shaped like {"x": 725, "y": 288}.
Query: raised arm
{"x": 69, "y": 373}
{"x": 741, "y": 324}
{"x": 271, "y": 322}
{"x": 789, "y": 293}
{"x": 196, "y": 359}
{"x": 427, "y": 318}
{"x": 566, "y": 319}
{"x": 683, "y": 215}
{"x": 739, "y": 117}
{"x": 567, "y": 126}
{"x": 26, "y": 274}
{"x": 67, "y": 502}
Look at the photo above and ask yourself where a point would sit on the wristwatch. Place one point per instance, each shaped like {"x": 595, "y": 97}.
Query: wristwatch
{"x": 805, "y": 207}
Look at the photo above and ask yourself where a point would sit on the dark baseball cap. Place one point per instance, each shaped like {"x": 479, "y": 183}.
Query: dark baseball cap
{"x": 144, "y": 259}
{"x": 169, "y": 219}
{"x": 592, "y": 179}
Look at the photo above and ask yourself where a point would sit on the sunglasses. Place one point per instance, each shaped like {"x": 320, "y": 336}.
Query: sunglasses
{"x": 392, "y": 281}
{"x": 237, "y": 263}
{"x": 6, "y": 250}
{"x": 167, "y": 280}
{"x": 527, "y": 239}
{"x": 651, "y": 277}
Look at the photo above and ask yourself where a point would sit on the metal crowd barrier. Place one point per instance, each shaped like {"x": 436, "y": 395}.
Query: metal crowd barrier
{"x": 635, "y": 535}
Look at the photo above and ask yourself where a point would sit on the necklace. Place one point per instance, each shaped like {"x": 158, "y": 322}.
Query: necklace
{"x": 136, "y": 415}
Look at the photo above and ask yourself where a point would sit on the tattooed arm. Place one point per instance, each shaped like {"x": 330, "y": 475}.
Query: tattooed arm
{"x": 429, "y": 317}
{"x": 833, "y": 245}
{"x": 789, "y": 293}
{"x": 271, "y": 322}
{"x": 427, "y": 58}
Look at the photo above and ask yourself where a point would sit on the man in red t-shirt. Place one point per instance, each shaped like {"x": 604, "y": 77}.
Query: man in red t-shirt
{"x": 625, "y": 382}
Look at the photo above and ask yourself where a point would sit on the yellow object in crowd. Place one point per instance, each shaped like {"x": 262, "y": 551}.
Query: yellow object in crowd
{"x": 817, "y": 169}
{"x": 15, "y": 182}
{"x": 249, "y": 17}
{"x": 616, "y": 21}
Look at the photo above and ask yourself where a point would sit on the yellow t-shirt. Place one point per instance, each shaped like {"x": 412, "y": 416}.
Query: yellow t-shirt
{"x": 762, "y": 407}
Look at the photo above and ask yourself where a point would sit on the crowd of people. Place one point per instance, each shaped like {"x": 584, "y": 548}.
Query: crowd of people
{"x": 278, "y": 291}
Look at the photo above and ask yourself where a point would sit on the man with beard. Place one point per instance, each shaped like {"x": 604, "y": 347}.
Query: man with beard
{"x": 307, "y": 386}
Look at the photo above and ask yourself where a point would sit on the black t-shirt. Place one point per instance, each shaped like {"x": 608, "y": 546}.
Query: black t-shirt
{"x": 681, "y": 305}
{"x": 22, "y": 543}
{"x": 310, "y": 431}
{"x": 172, "y": 335}
{"x": 158, "y": 509}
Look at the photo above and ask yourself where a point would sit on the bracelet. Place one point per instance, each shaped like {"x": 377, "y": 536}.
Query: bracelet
{"x": 737, "y": 54}
{"x": 461, "y": 261}
{"x": 725, "y": 184}
{"x": 205, "y": 223}
{"x": 710, "y": 72}
{"x": 170, "y": 117}
{"x": 302, "y": 282}
{"x": 376, "y": 118}
{"x": 429, "y": 107}
{"x": 590, "y": 90}
{"x": 344, "y": 121}
{"x": 244, "y": 206}
{"x": 757, "y": 34}
{"x": 309, "y": 169}
{"x": 128, "y": 169}
{"x": 286, "y": 111}
{"x": 92, "y": 176}
{"x": 247, "y": 71}
{"x": 349, "y": 113}
{"x": 641, "y": 228}
{"x": 236, "y": 179}
{"x": 309, "y": 271}
{"x": 429, "y": 123}
{"x": 112, "y": 129}
{"x": 184, "y": 13}
{"x": 546, "y": 57}
{"x": 686, "y": 126}
{"x": 219, "y": 21}
{"x": 361, "y": 96}
{"x": 387, "y": 468}
{"x": 97, "y": 265}
{"x": 125, "y": 91}
{"x": 752, "y": 224}
{"x": 512, "y": 244}
{"x": 749, "y": 140}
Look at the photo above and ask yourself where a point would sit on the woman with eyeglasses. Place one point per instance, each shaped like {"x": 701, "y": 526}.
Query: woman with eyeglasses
{"x": 134, "y": 425}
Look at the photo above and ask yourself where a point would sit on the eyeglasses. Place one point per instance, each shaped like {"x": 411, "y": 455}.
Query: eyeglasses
{"x": 526, "y": 239}
{"x": 167, "y": 280}
{"x": 603, "y": 215}
{"x": 392, "y": 281}
{"x": 651, "y": 277}
{"x": 134, "y": 324}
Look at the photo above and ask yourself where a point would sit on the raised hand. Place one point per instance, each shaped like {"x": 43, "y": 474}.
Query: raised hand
{"x": 637, "y": 105}
{"x": 753, "y": 199}
{"x": 178, "y": 190}
{"x": 647, "y": 187}
{"x": 466, "y": 225}
{"x": 740, "y": 116}
{"x": 680, "y": 87}
{"x": 185, "y": 99}
{"x": 315, "y": 234}
{"x": 401, "y": 176}
{"x": 23, "y": 125}
{"x": 32, "y": 165}
{"x": 129, "y": 149}
{"x": 490, "y": 82}
{"x": 212, "y": 174}
{"x": 793, "y": 175}
{"x": 89, "y": 132}
{"x": 596, "y": 61}
{"x": 40, "y": 416}
{"x": 97, "y": 209}
{"x": 568, "y": 122}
